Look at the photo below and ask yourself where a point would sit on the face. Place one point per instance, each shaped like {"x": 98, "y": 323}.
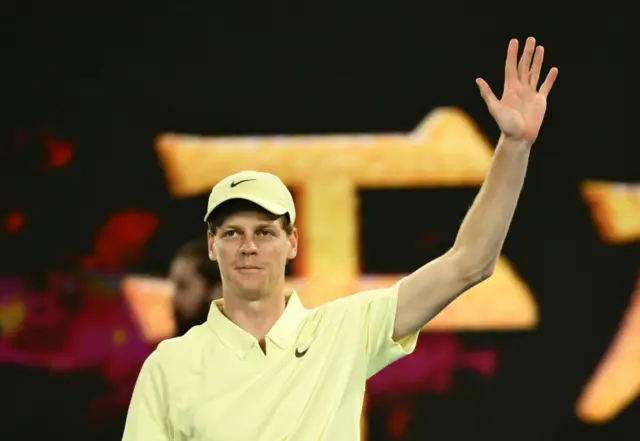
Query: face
{"x": 252, "y": 251}
{"x": 192, "y": 294}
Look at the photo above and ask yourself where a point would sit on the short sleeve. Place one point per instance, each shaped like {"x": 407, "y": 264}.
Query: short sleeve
{"x": 377, "y": 309}
{"x": 147, "y": 414}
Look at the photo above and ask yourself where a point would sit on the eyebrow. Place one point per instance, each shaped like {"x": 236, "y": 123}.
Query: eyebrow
{"x": 265, "y": 224}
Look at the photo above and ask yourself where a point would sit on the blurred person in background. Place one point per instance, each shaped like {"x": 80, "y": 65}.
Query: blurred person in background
{"x": 197, "y": 283}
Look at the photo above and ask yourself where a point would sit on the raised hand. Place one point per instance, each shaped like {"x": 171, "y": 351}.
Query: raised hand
{"x": 520, "y": 111}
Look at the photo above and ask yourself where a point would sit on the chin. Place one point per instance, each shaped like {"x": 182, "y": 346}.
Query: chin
{"x": 251, "y": 291}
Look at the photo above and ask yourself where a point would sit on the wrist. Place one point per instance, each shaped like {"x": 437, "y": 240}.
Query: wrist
{"x": 517, "y": 144}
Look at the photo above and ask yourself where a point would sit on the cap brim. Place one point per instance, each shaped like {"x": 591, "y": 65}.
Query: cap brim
{"x": 271, "y": 207}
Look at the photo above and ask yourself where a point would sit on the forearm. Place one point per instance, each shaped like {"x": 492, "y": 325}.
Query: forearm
{"x": 485, "y": 226}
{"x": 473, "y": 257}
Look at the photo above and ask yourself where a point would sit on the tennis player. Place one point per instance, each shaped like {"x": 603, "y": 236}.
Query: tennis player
{"x": 263, "y": 367}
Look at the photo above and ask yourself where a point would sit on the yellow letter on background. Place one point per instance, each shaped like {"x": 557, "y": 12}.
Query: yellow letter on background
{"x": 615, "y": 209}
{"x": 326, "y": 172}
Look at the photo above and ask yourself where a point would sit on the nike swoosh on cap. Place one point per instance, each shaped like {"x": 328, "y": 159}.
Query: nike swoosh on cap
{"x": 236, "y": 183}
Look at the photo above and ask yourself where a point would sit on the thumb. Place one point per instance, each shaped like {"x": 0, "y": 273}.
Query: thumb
{"x": 486, "y": 93}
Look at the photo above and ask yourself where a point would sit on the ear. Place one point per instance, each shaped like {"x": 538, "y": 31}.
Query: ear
{"x": 211, "y": 239}
{"x": 293, "y": 241}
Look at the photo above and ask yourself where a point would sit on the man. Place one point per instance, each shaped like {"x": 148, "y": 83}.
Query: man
{"x": 263, "y": 367}
{"x": 197, "y": 283}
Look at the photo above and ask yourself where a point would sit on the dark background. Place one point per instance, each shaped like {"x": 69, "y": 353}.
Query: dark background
{"x": 108, "y": 77}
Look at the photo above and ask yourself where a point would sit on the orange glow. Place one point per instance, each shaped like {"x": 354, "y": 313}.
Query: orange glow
{"x": 500, "y": 304}
{"x": 616, "y": 382}
{"x": 12, "y": 316}
{"x": 446, "y": 149}
{"x": 151, "y": 306}
{"x": 615, "y": 208}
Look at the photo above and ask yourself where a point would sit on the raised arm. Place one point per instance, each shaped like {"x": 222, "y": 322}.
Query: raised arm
{"x": 471, "y": 260}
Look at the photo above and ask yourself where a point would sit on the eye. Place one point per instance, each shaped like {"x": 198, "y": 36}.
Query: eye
{"x": 266, "y": 233}
{"x": 229, "y": 233}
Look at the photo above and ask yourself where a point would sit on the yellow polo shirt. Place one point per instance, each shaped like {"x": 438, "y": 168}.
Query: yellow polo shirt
{"x": 215, "y": 383}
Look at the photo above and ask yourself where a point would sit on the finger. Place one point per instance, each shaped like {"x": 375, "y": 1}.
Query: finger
{"x": 487, "y": 94}
{"x": 548, "y": 82}
{"x": 536, "y": 67}
{"x": 525, "y": 60}
{"x": 510, "y": 67}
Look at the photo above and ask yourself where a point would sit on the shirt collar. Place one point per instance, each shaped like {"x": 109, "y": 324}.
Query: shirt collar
{"x": 282, "y": 334}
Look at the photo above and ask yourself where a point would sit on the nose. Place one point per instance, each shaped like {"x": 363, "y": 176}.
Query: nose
{"x": 248, "y": 246}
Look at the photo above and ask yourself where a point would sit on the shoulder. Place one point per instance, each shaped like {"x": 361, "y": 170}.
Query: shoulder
{"x": 360, "y": 304}
{"x": 362, "y": 299}
{"x": 178, "y": 351}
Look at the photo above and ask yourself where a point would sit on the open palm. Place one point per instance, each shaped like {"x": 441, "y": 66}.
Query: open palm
{"x": 520, "y": 111}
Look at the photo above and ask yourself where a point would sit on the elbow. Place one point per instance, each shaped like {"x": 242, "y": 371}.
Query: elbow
{"x": 487, "y": 273}
{"x": 477, "y": 276}
{"x": 488, "y": 270}
{"x": 475, "y": 270}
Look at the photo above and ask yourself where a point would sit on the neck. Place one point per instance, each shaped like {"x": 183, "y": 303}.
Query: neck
{"x": 257, "y": 316}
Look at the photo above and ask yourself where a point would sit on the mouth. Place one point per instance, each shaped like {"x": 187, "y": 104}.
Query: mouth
{"x": 248, "y": 268}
